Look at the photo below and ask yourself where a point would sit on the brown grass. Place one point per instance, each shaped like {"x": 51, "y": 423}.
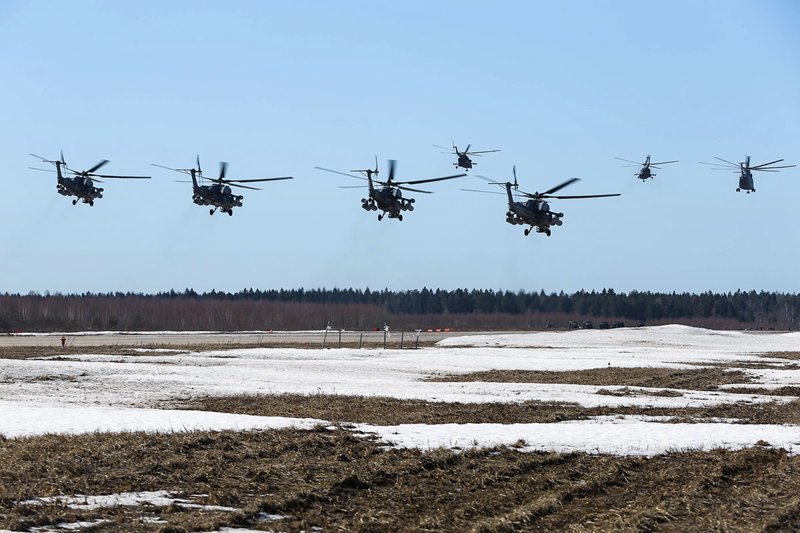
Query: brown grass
{"x": 391, "y": 411}
{"x": 333, "y": 480}
{"x": 671, "y": 378}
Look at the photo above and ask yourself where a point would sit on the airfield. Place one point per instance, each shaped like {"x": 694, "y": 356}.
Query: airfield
{"x": 691, "y": 398}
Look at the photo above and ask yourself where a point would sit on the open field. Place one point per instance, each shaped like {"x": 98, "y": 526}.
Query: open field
{"x": 585, "y": 430}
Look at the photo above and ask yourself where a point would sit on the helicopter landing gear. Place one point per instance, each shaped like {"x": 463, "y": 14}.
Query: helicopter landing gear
{"x": 527, "y": 231}
{"x": 738, "y": 189}
{"x": 91, "y": 203}
{"x": 547, "y": 232}
{"x": 380, "y": 217}
{"x": 211, "y": 211}
{"x": 230, "y": 212}
{"x": 74, "y": 201}
{"x": 400, "y": 218}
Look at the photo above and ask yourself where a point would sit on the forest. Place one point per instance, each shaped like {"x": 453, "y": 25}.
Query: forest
{"x": 459, "y": 309}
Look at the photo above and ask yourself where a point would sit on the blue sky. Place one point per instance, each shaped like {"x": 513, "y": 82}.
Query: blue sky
{"x": 277, "y": 88}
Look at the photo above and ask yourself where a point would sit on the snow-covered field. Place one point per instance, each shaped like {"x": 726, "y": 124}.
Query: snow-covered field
{"x": 112, "y": 393}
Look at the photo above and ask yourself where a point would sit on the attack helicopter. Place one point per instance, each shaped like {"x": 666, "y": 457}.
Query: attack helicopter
{"x": 644, "y": 173}
{"x": 81, "y": 185}
{"x": 745, "y": 171}
{"x": 218, "y": 194}
{"x": 463, "y": 160}
{"x": 535, "y": 211}
{"x": 389, "y": 197}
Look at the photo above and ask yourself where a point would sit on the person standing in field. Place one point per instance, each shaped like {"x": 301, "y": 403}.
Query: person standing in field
{"x": 63, "y": 341}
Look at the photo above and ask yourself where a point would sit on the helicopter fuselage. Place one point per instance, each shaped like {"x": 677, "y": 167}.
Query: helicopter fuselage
{"x": 645, "y": 173}
{"x": 81, "y": 187}
{"x": 533, "y": 213}
{"x": 218, "y": 196}
{"x": 389, "y": 200}
{"x": 746, "y": 181}
{"x": 464, "y": 162}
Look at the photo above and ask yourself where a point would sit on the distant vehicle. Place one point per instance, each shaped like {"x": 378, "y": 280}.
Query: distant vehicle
{"x": 218, "y": 194}
{"x": 462, "y": 158}
{"x": 587, "y": 325}
{"x": 645, "y": 172}
{"x": 604, "y": 325}
{"x": 81, "y": 185}
{"x": 535, "y": 211}
{"x": 572, "y": 325}
{"x": 389, "y": 197}
{"x": 745, "y": 171}
{"x": 618, "y": 324}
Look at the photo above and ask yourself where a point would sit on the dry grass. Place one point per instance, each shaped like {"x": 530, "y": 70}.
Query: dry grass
{"x": 391, "y": 411}
{"x": 333, "y": 480}
{"x": 670, "y": 378}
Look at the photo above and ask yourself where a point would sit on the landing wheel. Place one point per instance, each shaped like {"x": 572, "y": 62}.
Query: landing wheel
{"x": 400, "y": 218}
{"x": 410, "y": 207}
{"x": 527, "y": 231}
{"x": 91, "y": 203}
{"x": 380, "y": 217}
{"x": 230, "y": 213}
{"x": 547, "y": 232}
{"x": 210, "y": 211}
{"x": 738, "y": 189}
{"x": 74, "y": 202}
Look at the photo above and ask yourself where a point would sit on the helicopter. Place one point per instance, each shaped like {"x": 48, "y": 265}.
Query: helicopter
{"x": 218, "y": 194}
{"x": 644, "y": 173}
{"x": 82, "y": 184}
{"x": 535, "y": 211}
{"x": 389, "y": 197}
{"x": 745, "y": 171}
{"x": 463, "y": 157}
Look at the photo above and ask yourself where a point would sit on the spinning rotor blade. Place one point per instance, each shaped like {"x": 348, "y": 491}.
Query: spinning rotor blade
{"x": 629, "y": 161}
{"x": 762, "y": 168}
{"x": 42, "y": 158}
{"x": 198, "y": 163}
{"x": 223, "y": 169}
{"x": 414, "y": 182}
{"x": 449, "y": 150}
{"x": 726, "y": 161}
{"x": 181, "y": 170}
{"x": 410, "y": 189}
{"x": 342, "y": 173}
{"x": 242, "y": 186}
{"x": 42, "y": 169}
{"x": 259, "y": 180}
{"x": 119, "y": 177}
{"x": 484, "y": 192}
{"x": 583, "y": 196}
{"x": 351, "y": 186}
{"x": 557, "y": 187}
{"x": 663, "y": 163}
{"x": 392, "y": 166}
{"x": 96, "y": 167}
{"x": 482, "y": 152}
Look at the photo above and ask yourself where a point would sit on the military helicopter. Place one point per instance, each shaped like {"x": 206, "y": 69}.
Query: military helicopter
{"x": 644, "y": 173}
{"x": 463, "y": 157}
{"x": 218, "y": 194}
{"x": 389, "y": 197}
{"x": 535, "y": 211}
{"x": 82, "y": 184}
{"x": 745, "y": 171}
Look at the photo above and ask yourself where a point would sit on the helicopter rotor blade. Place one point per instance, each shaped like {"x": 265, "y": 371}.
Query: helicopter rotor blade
{"x": 767, "y": 164}
{"x": 341, "y": 173}
{"x": 223, "y": 169}
{"x": 241, "y": 186}
{"x": 483, "y": 152}
{"x": 351, "y": 186}
{"x": 119, "y": 177}
{"x": 582, "y": 196}
{"x": 41, "y": 158}
{"x": 430, "y": 180}
{"x": 629, "y": 161}
{"x": 410, "y": 189}
{"x": 772, "y": 168}
{"x": 181, "y": 170}
{"x": 663, "y": 163}
{"x": 726, "y": 161}
{"x": 559, "y": 187}
{"x": 42, "y": 169}
{"x": 449, "y": 150}
{"x": 96, "y": 167}
{"x": 259, "y": 180}
{"x": 392, "y": 166}
{"x": 514, "y": 171}
{"x": 484, "y": 192}
{"x": 467, "y": 150}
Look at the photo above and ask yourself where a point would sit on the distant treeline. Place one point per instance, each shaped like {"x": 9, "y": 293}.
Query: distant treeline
{"x": 366, "y": 309}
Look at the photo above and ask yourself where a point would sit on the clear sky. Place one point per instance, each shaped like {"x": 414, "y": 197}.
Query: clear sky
{"x": 275, "y": 88}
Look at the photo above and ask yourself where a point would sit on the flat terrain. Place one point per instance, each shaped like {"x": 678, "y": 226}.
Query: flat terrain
{"x": 633, "y": 429}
